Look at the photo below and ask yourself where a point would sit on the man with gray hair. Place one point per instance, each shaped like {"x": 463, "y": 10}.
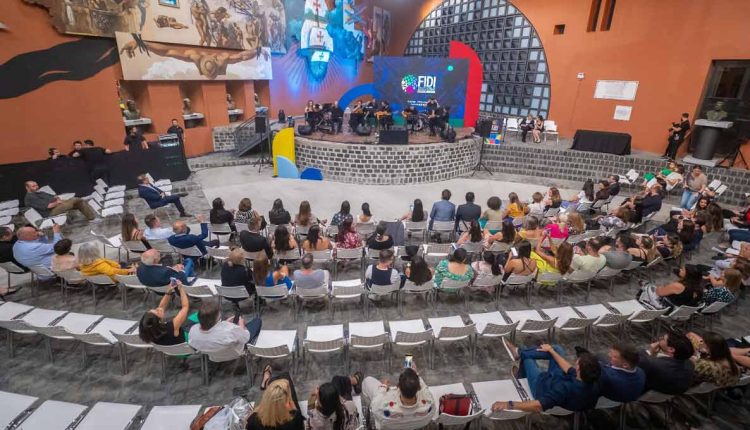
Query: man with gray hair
{"x": 221, "y": 340}
{"x": 34, "y": 249}
{"x": 152, "y": 274}
{"x": 307, "y": 278}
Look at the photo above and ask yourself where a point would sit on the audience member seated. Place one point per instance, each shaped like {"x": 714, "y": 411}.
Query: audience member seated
{"x": 619, "y": 218}
{"x": 182, "y": 239}
{"x": 7, "y": 240}
{"x": 686, "y": 291}
{"x": 64, "y": 259}
{"x": 602, "y": 193}
{"x": 723, "y": 288}
{"x": 418, "y": 271}
{"x": 576, "y": 225}
{"x": 366, "y": 216}
{"x": 591, "y": 260}
{"x": 626, "y": 242}
{"x": 91, "y": 263}
{"x": 151, "y": 274}
{"x": 553, "y": 199}
{"x": 305, "y": 217}
{"x": 669, "y": 246}
{"x": 129, "y": 230}
{"x": 34, "y": 249}
{"x": 621, "y": 380}
{"x": 348, "y": 238}
{"x": 489, "y": 266}
{"x": 283, "y": 241}
{"x": 713, "y": 360}
{"x": 265, "y": 277}
{"x": 154, "y": 230}
{"x": 519, "y": 260}
{"x": 507, "y": 234}
{"x": 614, "y": 185}
{"x": 48, "y": 205}
{"x": 154, "y": 327}
{"x": 515, "y": 208}
{"x": 473, "y": 234}
{"x": 252, "y": 241}
{"x": 234, "y": 273}
{"x": 685, "y": 229}
{"x": 307, "y": 277}
{"x": 585, "y": 196}
{"x": 558, "y": 228}
{"x": 383, "y": 272}
{"x": 557, "y": 261}
{"x": 156, "y": 198}
{"x": 278, "y": 215}
{"x": 443, "y": 210}
{"x": 245, "y": 213}
{"x": 456, "y": 268}
{"x": 536, "y": 207}
{"x": 531, "y": 230}
{"x": 573, "y": 387}
{"x": 467, "y": 212}
{"x": 416, "y": 212}
{"x": 219, "y": 215}
{"x": 667, "y": 364}
{"x": 328, "y": 410}
{"x": 493, "y": 211}
{"x": 695, "y": 183}
{"x": 316, "y": 242}
{"x": 737, "y": 219}
{"x": 343, "y": 214}
{"x": 646, "y": 204}
{"x": 221, "y": 339}
{"x": 276, "y": 409}
{"x": 380, "y": 240}
{"x": 409, "y": 405}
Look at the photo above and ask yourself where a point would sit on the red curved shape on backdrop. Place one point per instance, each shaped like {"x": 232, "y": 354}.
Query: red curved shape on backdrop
{"x": 473, "y": 83}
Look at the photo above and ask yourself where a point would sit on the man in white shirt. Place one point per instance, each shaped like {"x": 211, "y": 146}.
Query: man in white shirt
{"x": 592, "y": 261}
{"x": 408, "y": 406}
{"x": 221, "y": 340}
{"x": 154, "y": 230}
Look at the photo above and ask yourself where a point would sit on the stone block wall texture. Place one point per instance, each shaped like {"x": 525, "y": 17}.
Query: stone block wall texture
{"x": 223, "y": 137}
{"x": 387, "y": 164}
{"x": 566, "y": 164}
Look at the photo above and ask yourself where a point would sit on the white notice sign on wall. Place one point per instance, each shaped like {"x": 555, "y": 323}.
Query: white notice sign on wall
{"x": 622, "y": 113}
{"x": 616, "y": 90}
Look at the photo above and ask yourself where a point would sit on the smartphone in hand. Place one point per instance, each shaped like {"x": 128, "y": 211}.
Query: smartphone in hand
{"x": 514, "y": 252}
{"x": 408, "y": 361}
{"x": 236, "y": 318}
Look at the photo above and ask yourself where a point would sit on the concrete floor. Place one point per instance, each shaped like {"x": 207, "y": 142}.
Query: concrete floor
{"x": 30, "y": 373}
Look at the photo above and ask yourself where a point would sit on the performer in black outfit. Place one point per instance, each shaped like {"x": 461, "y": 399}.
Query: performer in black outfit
{"x": 357, "y": 116}
{"x": 676, "y": 136}
{"x": 95, "y": 160}
{"x": 527, "y": 124}
{"x": 432, "y": 105}
{"x": 384, "y": 115}
{"x": 337, "y": 117}
{"x": 176, "y": 129}
{"x": 437, "y": 120}
{"x": 134, "y": 139}
{"x": 410, "y": 115}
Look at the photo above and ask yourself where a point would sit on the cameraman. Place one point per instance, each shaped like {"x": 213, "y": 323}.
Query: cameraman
{"x": 677, "y": 134}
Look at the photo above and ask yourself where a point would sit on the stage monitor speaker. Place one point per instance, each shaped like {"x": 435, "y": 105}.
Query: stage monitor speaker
{"x": 393, "y": 137}
{"x": 363, "y": 130}
{"x": 260, "y": 124}
{"x": 304, "y": 130}
{"x": 449, "y": 134}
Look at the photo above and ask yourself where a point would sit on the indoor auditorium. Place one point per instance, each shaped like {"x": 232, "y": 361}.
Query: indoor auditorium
{"x": 374, "y": 214}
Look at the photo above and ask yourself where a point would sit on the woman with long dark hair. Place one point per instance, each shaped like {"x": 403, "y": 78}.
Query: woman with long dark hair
{"x": 348, "y": 238}
{"x": 219, "y": 215}
{"x": 418, "y": 271}
{"x": 713, "y": 361}
{"x": 305, "y": 217}
{"x": 686, "y": 291}
{"x": 328, "y": 410}
{"x": 278, "y": 215}
{"x": 366, "y": 216}
{"x": 315, "y": 241}
{"x": 416, "y": 213}
{"x": 520, "y": 261}
{"x": 474, "y": 234}
{"x": 380, "y": 240}
{"x": 154, "y": 328}
{"x": 282, "y": 240}
{"x": 507, "y": 234}
{"x": 130, "y": 230}
{"x": 343, "y": 214}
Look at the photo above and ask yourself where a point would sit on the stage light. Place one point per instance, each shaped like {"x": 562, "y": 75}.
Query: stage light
{"x": 450, "y": 67}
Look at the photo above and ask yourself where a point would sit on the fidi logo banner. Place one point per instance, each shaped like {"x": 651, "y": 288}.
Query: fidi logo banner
{"x": 422, "y": 84}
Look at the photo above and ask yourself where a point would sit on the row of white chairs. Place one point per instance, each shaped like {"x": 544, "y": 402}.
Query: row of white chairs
{"x": 513, "y": 124}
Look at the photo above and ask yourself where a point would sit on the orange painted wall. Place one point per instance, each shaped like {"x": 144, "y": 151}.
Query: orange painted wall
{"x": 666, "y": 45}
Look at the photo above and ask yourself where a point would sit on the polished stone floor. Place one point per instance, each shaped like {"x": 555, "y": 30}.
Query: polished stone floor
{"x": 30, "y": 373}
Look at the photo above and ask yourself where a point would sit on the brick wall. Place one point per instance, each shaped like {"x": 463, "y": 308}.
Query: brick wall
{"x": 387, "y": 164}
{"x": 223, "y": 137}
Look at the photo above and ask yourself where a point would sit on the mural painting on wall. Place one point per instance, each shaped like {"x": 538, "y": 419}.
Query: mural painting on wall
{"x": 380, "y": 34}
{"x": 230, "y": 24}
{"x": 144, "y": 60}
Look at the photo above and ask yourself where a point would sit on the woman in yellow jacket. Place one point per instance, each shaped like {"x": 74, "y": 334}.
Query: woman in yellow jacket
{"x": 91, "y": 263}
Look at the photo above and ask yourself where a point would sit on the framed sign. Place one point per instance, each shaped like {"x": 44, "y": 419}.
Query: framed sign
{"x": 170, "y": 3}
{"x": 616, "y": 90}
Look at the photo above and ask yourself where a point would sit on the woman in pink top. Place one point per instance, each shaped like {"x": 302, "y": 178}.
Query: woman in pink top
{"x": 559, "y": 229}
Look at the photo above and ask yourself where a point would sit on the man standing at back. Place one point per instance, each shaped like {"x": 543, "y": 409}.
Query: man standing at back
{"x": 96, "y": 161}
{"x": 467, "y": 212}
{"x": 48, "y": 205}
{"x": 443, "y": 210}
{"x": 672, "y": 373}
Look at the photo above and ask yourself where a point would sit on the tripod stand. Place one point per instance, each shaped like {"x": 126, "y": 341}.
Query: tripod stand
{"x": 731, "y": 158}
{"x": 484, "y": 127}
{"x": 266, "y": 157}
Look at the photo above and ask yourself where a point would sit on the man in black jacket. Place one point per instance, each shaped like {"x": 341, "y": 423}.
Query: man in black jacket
{"x": 152, "y": 274}
{"x": 673, "y": 372}
{"x": 253, "y": 241}
{"x": 468, "y": 212}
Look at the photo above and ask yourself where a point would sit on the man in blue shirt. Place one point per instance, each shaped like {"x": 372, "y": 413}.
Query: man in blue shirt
{"x": 622, "y": 380}
{"x": 33, "y": 248}
{"x": 182, "y": 238}
{"x": 573, "y": 387}
{"x": 443, "y": 210}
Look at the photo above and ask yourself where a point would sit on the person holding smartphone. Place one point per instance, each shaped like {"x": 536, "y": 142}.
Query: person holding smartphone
{"x": 154, "y": 327}
{"x": 409, "y": 405}
{"x": 519, "y": 260}
{"x": 222, "y": 339}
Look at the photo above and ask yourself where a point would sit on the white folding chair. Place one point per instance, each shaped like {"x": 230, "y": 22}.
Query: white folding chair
{"x": 530, "y": 322}
{"x": 550, "y": 127}
{"x": 680, "y": 315}
{"x": 102, "y": 281}
{"x": 489, "y": 392}
{"x": 710, "y": 311}
{"x": 568, "y": 320}
{"x": 11, "y": 269}
{"x": 416, "y": 228}
{"x": 442, "y": 227}
{"x": 274, "y": 345}
{"x": 443, "y": 419}
{"x": 512, "y": 124}
{"x": 492, "y": 326}
{"x": 16, "y": 407}
{"x": 181, "y": 350}
{"x": 219, "y": 230}
{"x": 63, "y": 328}
{"x": 367, "y": 336}
{"x": 410, "y": 334}
{"x": 129, "y": 282}
{"x": 53, "y": 415}
{"x": 515, "y": 282}
{"x": 347, "y": 255}
{"x": 25, "y": 321}
{"x": 129, "y": 340}
{"x": 347, "y": 291}
{"x": 452, "y": 329}
{"x": 109, "y": 416}
{"x": 604, "y": 317}
{"x": 410, "y": 288}
{"x": 170, "y": 417}
{"x": 277, "y": 293}
{"x": 35, "y": 219}
{"x": 324, "y": 339}
{"x": 217, "y": 254}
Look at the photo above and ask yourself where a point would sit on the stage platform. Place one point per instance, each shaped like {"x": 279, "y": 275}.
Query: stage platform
{"x": 421, "y": 137}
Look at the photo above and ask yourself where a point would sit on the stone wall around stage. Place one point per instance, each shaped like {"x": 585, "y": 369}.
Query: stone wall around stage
{"x": 388, "y": 164}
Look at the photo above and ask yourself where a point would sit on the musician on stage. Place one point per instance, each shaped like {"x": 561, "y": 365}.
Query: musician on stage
{"x": 337, "y": 117}
{"x": 384, "y": 115}
{"x": 432, "y": 105}
{"x": 311, "y": 113}
{"x": 357, "y": 116}
{"x": 371, "y": 108}
{"x": 436, "y": 120}
{"x": 410, "y": 115}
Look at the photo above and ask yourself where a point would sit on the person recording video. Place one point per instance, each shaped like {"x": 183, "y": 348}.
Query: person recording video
{"x": 677, "y": 133}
